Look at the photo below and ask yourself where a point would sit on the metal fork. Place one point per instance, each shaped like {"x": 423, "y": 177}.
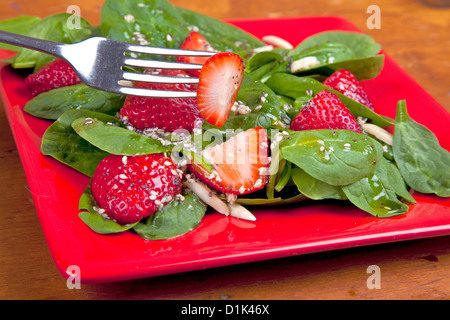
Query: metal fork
{"x": 99, "y": 63}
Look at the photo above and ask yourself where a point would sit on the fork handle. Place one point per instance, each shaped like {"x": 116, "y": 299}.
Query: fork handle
{"x": 50, "y": 47}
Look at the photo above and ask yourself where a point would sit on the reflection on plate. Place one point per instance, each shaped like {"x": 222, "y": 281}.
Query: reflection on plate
{"x": 219, "y": 240}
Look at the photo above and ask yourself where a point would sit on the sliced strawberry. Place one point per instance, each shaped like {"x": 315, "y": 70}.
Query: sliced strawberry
{"x": 347, "y": 84}
{"x": 219, "y": 83}
{"x": 55, "y": 74}
{"x": 195, "y": 41}
{"x": 240, "y": 164}
{"x": 127, "y": 189}
{"x": 325, "y": 111}
{"x": 169, "y": 114}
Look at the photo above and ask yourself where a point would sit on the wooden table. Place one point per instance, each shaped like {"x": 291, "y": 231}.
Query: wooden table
{"x": 414, "y": 33}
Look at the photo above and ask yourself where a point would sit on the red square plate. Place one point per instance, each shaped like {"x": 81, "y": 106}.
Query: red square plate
{"x": 219, "y": 240}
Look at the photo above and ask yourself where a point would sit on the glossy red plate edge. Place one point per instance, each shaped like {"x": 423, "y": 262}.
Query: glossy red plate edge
{"x": 220, "y": 241}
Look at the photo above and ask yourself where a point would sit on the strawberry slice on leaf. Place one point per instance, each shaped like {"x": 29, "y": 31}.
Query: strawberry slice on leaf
{"x": 347, "y": 84}
{"x": 240, "y": 164}
{"x": 325, "y": 111}
{"x": 219, "y": 83}
{"x": 55, "y": 74}
{"x": 129, "y": 188}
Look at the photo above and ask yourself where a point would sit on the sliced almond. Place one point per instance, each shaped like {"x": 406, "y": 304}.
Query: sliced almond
{"x": 239, "y": 211}
{"x": 304, "y": 63}
{"x": 378, "y": 132}
{"x": 207, "y": 196}
{"x": 277, "y": 42}
{"x": 263, "y": 49}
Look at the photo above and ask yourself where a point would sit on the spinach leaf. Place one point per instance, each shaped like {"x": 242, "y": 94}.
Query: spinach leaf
{"x": 325, "y": 52}
{"x": 222, "y": 36}
{"x": 94, "y": 220}
{"x": 337, "y": 157}
{"x": 115, "y": 139}
{"x": 263, "y": 58}
{"x": 377, "y": 194}
{"x": 366, "y": 63}
{"x": 296, "y": 87}
{"x": 52, "y": 104}
{"x": 314, "y": 188}
{"x": 263, "y": 64}
{"x": 61, "y": 142}
{"x": 335, "y": 56}
{"x": 422, "y": 162}
{"x": 333, "y": 50}
{"x": 361, "y": 44}
{"x": 330, "y": 56}
{"x": 361, "y": 68}
{"x": 159, "y": 23}
{"x": 175, "y": 219}
{"x": 283, "y": 176}
{"x": 19, "y": 25}
{"x": 389, "y": 173}
{"x": 52, "y": 28}
{"x": 151, "y": 22}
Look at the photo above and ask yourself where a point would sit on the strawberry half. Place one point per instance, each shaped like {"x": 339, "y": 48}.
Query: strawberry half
{"x": 129, "y": 188}
{"x": 240, "y": 164}
{"x": 55, "y": 74}
{"x": 325, "y": 111}
{"x": 169, "y": 114}
{"x": 347, "y": 84}
{"x": 195, "y": 41}
{"x": 219, "y": 83}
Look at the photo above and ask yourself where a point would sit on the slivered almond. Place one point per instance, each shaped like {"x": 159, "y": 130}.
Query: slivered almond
{"x": 277, "y": 42}
{"x": 378, "y": 132}
{"x": 206, "y": 194}
{"x": 239, "y": 211}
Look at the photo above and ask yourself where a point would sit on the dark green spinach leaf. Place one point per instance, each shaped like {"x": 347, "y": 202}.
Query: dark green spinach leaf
{"x": 221, "y": 35}
{"x": 175, "y": 219}
{"x": 52, "y": 104}
{"x": 314, "y": 188}
{"x": 422, "y": 162}
{"x": 151, "y": 22}
{"x": 361, "y": 68}
{"x": 61, "y": 142}
{"x": 115, "y": 139}
{"x": 18, "y": 25}
{"x": 361, "y": 44}
{"x": 378, "y": 193}
{"x": 336, "y": 157}
{"x": 94, "y": 220}
{"x": 52, "y": 28}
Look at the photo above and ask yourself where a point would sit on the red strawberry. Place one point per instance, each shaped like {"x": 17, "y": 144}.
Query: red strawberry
{"x": 241, "y": 164}
{"x": 325, "y": 111}
{"x": 55, "y": 74}
{"x": 169, "y": 114}
{"x": 131, "y": 188}
{"x": 347, "y": 84}
{"x": 219, "y": 83}
{"x": 195, "y": 41}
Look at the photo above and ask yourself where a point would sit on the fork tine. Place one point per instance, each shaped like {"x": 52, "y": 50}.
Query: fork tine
{"x": 157, "y": 78}
{"x": 161, "y": 64}
{"x": 156, "y": 93}
{"x": 168, "y": 51}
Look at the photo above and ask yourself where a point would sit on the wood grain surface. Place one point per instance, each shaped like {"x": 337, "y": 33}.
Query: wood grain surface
{"x": 414, "y": 33}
